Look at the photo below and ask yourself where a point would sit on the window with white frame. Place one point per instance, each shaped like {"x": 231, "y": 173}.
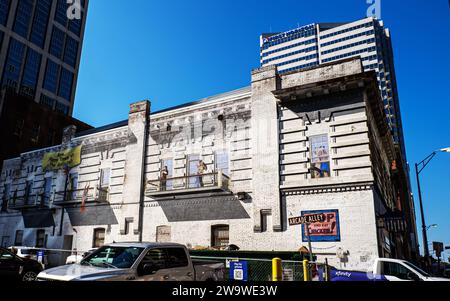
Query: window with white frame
{"x": 105, "y": 177}
{"x": 320, "y": 157}
{"x": 222, "y": 162}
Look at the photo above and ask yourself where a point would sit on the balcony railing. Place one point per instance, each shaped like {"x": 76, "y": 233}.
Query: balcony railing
{"x": 38, "y": 200}
{"x": 92, "y": 195}
{"x": 216, "y": 181}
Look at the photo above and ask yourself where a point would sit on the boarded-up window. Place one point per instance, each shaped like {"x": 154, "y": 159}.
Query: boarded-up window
{"x": 99, "y": 238}
{"x": 220, "y": 236}
{"x": 163, "y": 234}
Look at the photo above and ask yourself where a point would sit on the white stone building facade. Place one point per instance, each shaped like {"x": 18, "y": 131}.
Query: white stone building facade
{"x": 310, "y": 141}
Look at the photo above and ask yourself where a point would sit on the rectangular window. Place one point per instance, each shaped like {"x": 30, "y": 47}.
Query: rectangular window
{"x": 19, "y": 238}
{"x": 155, "y": 257}
{"x": 13, "y": 64}
{"x": 30, "y": 73}
{"x": 71, "y": 51}
{"x": 61, "y": 12}
{"x": 193, "y": 162}
{"x": 73, "y": 186}
{"x": 57, "y": 42}
{"x": 320, "y": 157}
{"x": 266, "y": 220}
{"x": 18, "y": 130}
{"x": 4, "y": 10}
{"x": 128, "y": 222}
{"x": 99, "y": 238}
{"x": 47, "y": 189}
{"x": 65, "y": 84}
{"x": 220, "y": 236}
{"x": 40, "y": 239}
{"x": 176, "y": 258}
{"x": 51, "y": 76}
{"x": 27, "y": 194}
{"x": 47, "y": 101}
{"x": 166, "y": 174}
{"x": 35, "y": 130}
{"x": 62, "y": 108}
{"x": 23, "y": 17}
{"x": 222, "y": 162}
{"x": 6, "y": 196}
{"x": 75, "y": 25}
{"x": 39, "y": 27}
{"x": 105, "y": 176}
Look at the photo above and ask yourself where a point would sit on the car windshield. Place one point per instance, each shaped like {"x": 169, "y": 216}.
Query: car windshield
{"x": 113, "y": 257}
{"x": 418, "y": 270}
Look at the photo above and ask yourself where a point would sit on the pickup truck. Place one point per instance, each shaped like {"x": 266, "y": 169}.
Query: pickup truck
{"x": 137, "y": 262}
{"x": 386, "y": 269}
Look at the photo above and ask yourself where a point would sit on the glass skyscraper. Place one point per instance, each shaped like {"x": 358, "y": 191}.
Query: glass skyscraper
{"x": 40, "y": 50}
{"x": 321, "y": 43}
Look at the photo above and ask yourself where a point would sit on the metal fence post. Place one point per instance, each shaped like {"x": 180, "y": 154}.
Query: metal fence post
{"x": 306, "y": 276}
{"x": 277, "y": 272}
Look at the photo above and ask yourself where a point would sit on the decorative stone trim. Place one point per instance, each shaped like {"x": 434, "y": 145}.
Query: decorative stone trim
{"x": 329, "y": 189}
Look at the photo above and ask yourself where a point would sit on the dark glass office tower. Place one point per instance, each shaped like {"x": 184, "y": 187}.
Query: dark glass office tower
{"x": 40, "y": 49}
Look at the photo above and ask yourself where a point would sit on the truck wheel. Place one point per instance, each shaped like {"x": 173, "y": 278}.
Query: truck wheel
{"x": 29, "y": 276}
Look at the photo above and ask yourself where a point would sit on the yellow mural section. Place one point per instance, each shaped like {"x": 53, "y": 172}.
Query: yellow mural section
{"x": 58, "y": 160}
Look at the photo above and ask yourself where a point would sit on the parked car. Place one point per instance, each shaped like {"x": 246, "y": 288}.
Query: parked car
{"x": 78, "y": 258}
{"x": 28, "y": 253}
{"x": 386, "y": 269}
{"x": 139, "y": 262}
{"x": 13, "y": 267}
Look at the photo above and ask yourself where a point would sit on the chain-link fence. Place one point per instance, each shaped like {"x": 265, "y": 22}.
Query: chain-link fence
{"x": 259, "y": 269}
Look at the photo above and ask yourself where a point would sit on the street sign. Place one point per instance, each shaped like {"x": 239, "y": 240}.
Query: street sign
{"x": 239, "y": 271}
{"x": 40, "y": 256}
{"x": 438, "y": 247}
{"x": 307, "y": 219}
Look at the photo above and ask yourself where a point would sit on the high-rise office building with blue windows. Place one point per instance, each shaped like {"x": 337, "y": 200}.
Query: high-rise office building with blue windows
{"x": 321, "y": 43}
{"x": 40, "y": 49}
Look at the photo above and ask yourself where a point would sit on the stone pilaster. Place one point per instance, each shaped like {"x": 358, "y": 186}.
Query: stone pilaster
{"x": 133, "y": 189}
{"x": 265, "y": 147}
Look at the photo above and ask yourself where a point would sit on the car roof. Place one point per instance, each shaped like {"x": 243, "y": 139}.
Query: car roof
{"x": 144, "y": 244}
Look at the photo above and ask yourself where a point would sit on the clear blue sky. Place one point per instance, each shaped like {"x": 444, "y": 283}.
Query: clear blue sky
{"x": 172, "y": 52}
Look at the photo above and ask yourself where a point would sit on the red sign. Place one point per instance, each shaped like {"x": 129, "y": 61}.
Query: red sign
{"x": 325, "y": 230}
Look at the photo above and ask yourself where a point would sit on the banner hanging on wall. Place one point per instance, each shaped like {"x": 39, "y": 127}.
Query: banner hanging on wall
{"x": 58, "y": 160}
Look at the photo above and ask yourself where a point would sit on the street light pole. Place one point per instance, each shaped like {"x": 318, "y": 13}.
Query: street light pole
{"x": 419, "y": 167}
{"x": 424, "y": 227}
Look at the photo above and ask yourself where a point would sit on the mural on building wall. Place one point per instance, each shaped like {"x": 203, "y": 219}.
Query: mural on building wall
{"x": 320, "y": 157}
{"x": 328, "y": 230}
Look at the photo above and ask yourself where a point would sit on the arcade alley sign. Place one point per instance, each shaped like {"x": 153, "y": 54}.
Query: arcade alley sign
{"x": 58, "y": 160}
{"x": 307, "y": 219}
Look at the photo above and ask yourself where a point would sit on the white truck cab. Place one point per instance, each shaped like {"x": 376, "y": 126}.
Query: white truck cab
{"x": 401, "y": 270}
{"x": 386, "y": 269}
